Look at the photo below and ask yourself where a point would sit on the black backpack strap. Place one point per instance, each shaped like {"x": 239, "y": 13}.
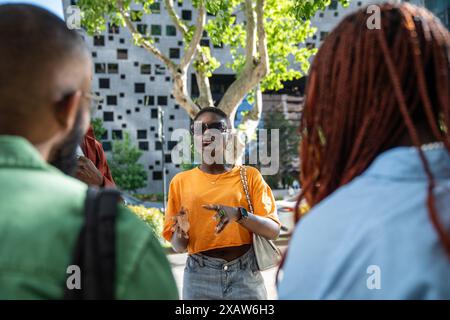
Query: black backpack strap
{"x": 95, "y": 249}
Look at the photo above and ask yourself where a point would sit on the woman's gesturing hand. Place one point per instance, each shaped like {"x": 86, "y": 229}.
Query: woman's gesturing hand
{"x": 181, "y": 225}
{"x": 224, "y": 215}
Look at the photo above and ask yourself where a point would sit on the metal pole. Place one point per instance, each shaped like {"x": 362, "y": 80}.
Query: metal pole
{"x": 163, "y": 156}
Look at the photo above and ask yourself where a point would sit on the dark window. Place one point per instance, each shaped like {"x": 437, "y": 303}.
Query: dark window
{"x": 136, "y": 16}
{"x": 333, "y": 5}
{"x": 117, "y": 134}
{"x": 119, "y": 117}
{"x": 167, "y": 79}
{"x": 105, "y": 135}
{"x": 219, "y": 46}
{"x": 204, "y": 43}
{"x": 186, "y": 14}
{"x": 103, "y": 83}
{"x": 154, "y": 113}
{"x": 152, "y": 128}
{"x": 152, "y": 78}
{"x": 149, "y": 100}
{"x": 146, "y": 68}
{"x": 171, "y": 144}
{"x": 137, "y": 110}
{"x": 162, "y": 100}
{"x": 142, "y": 134}
{"x": 99, "y": 40}
{"x": 180, "y": 43}
{"x": 157, "y": 162}
{"x": 143, "y": 145}
{"x": 180, "y": 3}
{"x": 121, "y": 94}
{"x": 106, "y": 146}
{"x": 157, "y": 175}
{"x": 158, "y": 145}
{"x": 323, "y": 35}
{"x": 139, "y": 101}
{"x": 128, "y": 111}
{"x": 168, "y": 158}
{"x": 100, "y": 68}
{"x": 122, "y": 40}
{"x": 124, "y": 125}
{"x": 94, "y": 54}
{"x": 108, "y": 116}
{"x": 171, "y": 31}
{"x": 321, "y": 14}
{"x": 150, "y": 167}
{"x": 139, "y": 87}
{"x": 174, "y": 53}
{"x": 156, "y": 30}
{"x": 160, "y": 70}
{"x": 155, "y": 7}
{"x": 111, "y": 38}
{"x": 112, "y": 28}
{"x": 177, "y": 107}
{"x": 113, "y": 68}
{"x": 336, "y": 14}
{"x": 142, "y": 28}
{"x": 111, "y": 100}
{"x": 122, "y": 76}
{"x": 171, "y": 117}
{"x": 122, "y": 54}
{"x": 310, "y": 45}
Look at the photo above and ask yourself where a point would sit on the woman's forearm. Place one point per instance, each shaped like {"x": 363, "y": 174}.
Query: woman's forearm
{"x": 262, "y": 226}
{"x": 179, "y": 242}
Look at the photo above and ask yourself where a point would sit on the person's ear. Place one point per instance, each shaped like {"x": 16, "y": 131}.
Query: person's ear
{"x": 67, "y": 111}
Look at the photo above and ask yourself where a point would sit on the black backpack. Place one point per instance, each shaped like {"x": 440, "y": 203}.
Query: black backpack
{"x": 95, "y": 252}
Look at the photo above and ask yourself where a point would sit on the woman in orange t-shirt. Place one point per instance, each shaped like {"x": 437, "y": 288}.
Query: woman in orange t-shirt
{"x": 208, "y": 215}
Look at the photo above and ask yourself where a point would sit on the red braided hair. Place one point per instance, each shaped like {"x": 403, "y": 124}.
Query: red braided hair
{"x": 367, "y": 91}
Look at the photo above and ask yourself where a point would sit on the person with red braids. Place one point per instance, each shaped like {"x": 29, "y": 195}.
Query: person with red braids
{"x": 375, "y": 163}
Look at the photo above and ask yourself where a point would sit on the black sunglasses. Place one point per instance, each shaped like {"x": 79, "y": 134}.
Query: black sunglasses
{"x": 221, "y": 126}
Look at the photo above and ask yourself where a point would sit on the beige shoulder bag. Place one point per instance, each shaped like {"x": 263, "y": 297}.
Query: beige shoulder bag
{"x": 266, "y": 252}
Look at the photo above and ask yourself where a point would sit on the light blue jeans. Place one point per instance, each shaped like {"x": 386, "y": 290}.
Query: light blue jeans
{"x": 207, "y": 278}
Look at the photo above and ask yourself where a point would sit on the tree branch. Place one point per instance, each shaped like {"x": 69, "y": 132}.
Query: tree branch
{"x": 194, "y": 44}
{"x": 175, "y": 18}
{"x": 254, "y": 70}
{"x": 146, "y": 44}
{"x": 250, "y": 48}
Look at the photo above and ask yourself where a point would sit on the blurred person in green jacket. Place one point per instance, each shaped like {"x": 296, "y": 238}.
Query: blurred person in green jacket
{"x": 45, "y": 101}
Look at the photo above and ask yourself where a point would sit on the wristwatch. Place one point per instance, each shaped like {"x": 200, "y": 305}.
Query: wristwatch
{"x": 244, "y": 214}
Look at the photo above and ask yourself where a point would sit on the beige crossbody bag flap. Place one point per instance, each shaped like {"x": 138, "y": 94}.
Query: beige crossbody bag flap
{"x": 266, "y": 252}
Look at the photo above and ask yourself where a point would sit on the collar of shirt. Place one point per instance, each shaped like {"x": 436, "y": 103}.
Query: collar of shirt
{"x": 404, "y": 163}
{"x": 16, "y": 152}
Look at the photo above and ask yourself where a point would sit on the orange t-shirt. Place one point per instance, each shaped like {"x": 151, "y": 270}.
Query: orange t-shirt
{"x": 194, "y": 188}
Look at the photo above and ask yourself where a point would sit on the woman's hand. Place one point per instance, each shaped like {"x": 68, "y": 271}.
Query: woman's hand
{"x": 181, "y": 225}
{"x": 224, "y": 215}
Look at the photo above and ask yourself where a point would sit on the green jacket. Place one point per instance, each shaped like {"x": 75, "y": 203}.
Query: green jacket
{"x": 41, "y": 213}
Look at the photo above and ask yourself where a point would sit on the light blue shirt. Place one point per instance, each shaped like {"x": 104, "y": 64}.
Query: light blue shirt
{"x": 373, "y": 238}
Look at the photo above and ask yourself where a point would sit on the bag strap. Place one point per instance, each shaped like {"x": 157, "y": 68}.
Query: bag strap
{"x": 95, "y": 252}
{"x": 244, "y": 181}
